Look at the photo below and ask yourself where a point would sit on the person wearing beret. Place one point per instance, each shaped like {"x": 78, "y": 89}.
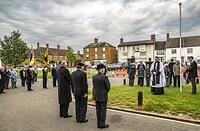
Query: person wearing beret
{"x": 101, "y": 87}
{"x": 80, "y": 86}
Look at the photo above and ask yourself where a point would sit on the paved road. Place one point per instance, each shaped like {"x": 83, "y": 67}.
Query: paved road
{"x": 38, "y": 111}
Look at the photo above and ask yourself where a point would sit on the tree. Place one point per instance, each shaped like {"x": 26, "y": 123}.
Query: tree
{"x": 14, "y": 49}
{"x": 70, "y": 55}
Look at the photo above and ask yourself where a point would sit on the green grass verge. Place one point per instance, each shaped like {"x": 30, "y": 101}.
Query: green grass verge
{"x": 172, "y": 102}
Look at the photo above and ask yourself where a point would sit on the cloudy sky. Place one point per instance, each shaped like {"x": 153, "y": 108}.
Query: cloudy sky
{"x": 77, "y": 22}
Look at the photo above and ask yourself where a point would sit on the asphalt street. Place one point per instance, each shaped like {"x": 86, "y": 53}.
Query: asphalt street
{"x": 38, "y": 110}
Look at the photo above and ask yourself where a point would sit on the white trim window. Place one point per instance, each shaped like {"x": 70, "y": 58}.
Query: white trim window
{"x": 104, "y": 56}
{"x": 189, "y": 50}
{"x": 173, "y": 51}
{"x": 104, "y": 49}
{"x": 95, "y": 49}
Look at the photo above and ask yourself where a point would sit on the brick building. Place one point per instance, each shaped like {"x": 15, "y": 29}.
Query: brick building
{"x": 99, "y": 52}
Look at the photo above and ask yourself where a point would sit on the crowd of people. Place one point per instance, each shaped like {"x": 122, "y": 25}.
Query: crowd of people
{"x": 159, "y": 75}
{"x": 156, "y": 74}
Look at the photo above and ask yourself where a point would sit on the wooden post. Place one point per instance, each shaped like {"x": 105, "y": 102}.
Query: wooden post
{"x": 140, "y": 98}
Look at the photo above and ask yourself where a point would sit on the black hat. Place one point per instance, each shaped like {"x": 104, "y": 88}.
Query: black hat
{"x": 79, "y": 65}
{"x": 100, "y": 66}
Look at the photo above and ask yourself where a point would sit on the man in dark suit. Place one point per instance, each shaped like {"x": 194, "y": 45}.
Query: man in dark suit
{"x": 2, "y": 80}
{"x": 101, "y": 87}
{"x": 23, "y": 77}
{"x": 79, "y": 80}
{"x": 193, "y": 73}
{"x": 54, "y": 75}
{"x": 44, "y": 76}
{"x": 64, "y": 89}
{"x": 29, "y": 77}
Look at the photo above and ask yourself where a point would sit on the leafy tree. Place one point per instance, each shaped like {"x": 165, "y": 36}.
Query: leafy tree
{"x": 14, "y": 49}
{"x": 70, "y": 55}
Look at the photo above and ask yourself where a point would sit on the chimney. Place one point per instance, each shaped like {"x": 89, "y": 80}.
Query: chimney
{"x": 121, "y": 40}
{"x": 47, "y": 45}
{"x": 78, "y": 52}
{"x": 58, "y": 47}
{"x": 167, "y": 36}
{"x": 95, "y": 40}
{"x": 153, "y": 37}
{"x": 38, "y": 45}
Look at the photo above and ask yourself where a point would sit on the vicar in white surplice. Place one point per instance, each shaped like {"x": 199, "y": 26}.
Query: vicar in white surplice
{"x": 157, "y": 77}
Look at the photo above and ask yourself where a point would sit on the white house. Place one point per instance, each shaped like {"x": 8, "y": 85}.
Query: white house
{"x": 190, "y": 47}
{"x": 141, "y": 50}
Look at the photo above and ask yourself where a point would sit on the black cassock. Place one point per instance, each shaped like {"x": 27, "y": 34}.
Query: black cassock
{"x": 28, "y": 75}
{"x": 64, "y": 90}
{"x": 101, "y": 87}
{"x": 23, "y": 77}
{"x": 44, "y": 75}
{"x": 80, "y": 86}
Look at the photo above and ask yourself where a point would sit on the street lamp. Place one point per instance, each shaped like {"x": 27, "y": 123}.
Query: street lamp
{"x": 180, "y": 4}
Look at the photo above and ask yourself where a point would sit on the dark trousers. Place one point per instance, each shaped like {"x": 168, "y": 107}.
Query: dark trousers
{"x": 6, "y": 84}
{"x": 194, "y": 88}
{"x": 23, "y": 82}
{"x": 1, "y": 87}
{"x": 131, "y": 82}
{"x": 29, "y": 85}
{"x": 101, "y": 113}
{"x": 44, "y": 82}
{"x": 64, "y": 109}
{"x": 81, "y": 108}
{"x": 176, "y": 81}
{"x": 35, "y": 78}
{"x": 54, "y": 82}
{"x": 140, "y": 81}
{"x": 171, "y": 77}
{"x": 148, "y": 81}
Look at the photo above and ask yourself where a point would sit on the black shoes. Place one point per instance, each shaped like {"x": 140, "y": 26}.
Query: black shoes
{"x": 102, "y": 127}
{"x": 84, "y": 121}
{"x": 68, "y": 116}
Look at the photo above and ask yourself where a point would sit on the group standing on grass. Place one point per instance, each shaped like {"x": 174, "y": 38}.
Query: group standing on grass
{"x": 159, "y": 75}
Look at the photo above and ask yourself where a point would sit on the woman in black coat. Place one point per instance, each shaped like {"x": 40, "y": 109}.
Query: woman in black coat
{"x": 64, "y": 90}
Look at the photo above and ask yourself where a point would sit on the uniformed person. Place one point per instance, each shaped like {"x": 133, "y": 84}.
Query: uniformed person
{"x": 28, "y": 78}
{"x": 101, "y": 87}
{"x": 44, "y": 76}
{"x": 2, "y": 80}
{"x": 80, "y": 86}
{"x": 54, "y": 75}
{"x": 22, "y": 76}
{"x": 64, "y": 89}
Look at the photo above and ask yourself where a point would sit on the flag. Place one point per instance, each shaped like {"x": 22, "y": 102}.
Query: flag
{"x": 46, "y": 57}
{"x": 32, "y": 57}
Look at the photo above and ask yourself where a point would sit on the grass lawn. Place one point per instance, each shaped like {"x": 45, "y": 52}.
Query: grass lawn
{"x": 172, "y": 102}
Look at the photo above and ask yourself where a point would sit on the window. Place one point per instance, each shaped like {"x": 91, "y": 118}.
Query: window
{"x": 87, "y": 55}
{"x": 137, "y": 48}
{"x": 96, "y": 56}
{"x": 173, "y": 51}
{"x": 87, "y": 50}
{"x": 124, "y": 49}
{"x": 133, "y": 48}
{"x": 104, "y": 49}
{"x": 142, "y": 48}
{"x": 189, "y": 50}
{"x": 160, "y": 52}
{"x": 125, "y": 53}
{"x": 95, "y": 49}
{"x": 104, "y": 56}
{"x": 142, "y": 53}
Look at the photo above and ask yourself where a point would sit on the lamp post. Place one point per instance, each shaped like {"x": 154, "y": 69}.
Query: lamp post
{"x": 180, "y": 40}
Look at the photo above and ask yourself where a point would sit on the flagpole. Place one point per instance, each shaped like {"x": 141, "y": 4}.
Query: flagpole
{"x": 181, "y": 85}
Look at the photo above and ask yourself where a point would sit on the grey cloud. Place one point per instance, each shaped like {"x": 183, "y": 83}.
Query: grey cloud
{"x": 77, "y": 22}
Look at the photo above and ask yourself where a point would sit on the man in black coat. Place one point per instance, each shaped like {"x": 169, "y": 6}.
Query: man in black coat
{"x": 54, "y": 75}
{"x": 23, "y": 77}
{"x": 44, "y": 76}
{"x": 79, "y": 80}
{"x": 171, "y": 72}
{"x": 2, "y": 84}
{"x": 193, "y": 74}
{"x": 64, "y": 89}
{"x": 29, "y": 77}
{"x": 101, "y": 87}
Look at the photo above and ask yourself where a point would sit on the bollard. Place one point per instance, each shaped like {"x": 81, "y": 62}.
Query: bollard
{"x": 140, "y": 98}
{"x": 124, "y": 81}
{"x": 197, "y": 80}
